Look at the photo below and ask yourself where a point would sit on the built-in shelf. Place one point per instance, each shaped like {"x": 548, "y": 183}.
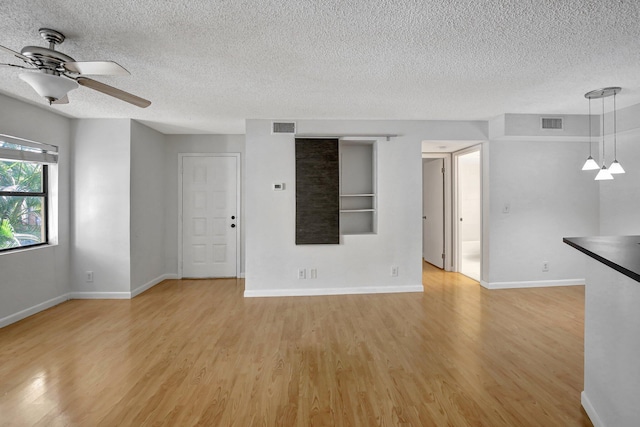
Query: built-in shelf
{"x": 357, "y": 203}
{"x": 357, "y": 187}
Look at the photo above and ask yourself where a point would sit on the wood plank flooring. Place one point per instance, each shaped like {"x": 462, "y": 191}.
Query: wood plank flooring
{"x": 195, "y": 352}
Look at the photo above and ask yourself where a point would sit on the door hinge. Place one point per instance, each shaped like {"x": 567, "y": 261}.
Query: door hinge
{"x": 442, "y": 256}
{"x": 442, "y": 170}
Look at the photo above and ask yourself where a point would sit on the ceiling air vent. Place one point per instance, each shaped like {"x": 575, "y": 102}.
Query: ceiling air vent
{"x": 554, "y": 123}
{"x": 283, "y": 127}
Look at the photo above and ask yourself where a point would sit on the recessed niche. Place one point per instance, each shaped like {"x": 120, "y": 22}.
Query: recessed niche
{"x": 357, "y": 187}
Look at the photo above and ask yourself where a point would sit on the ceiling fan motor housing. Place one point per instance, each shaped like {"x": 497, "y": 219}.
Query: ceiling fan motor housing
{"x": 48, "y": 59}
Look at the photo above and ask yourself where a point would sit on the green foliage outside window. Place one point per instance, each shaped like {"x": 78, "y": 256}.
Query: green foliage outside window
{"x": 21, "y": 221}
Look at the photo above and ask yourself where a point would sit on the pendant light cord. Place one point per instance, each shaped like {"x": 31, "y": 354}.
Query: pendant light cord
{"x": 603, "y": 160}
{"x": 590, "y": 139}
{"x": 615, "y": 143}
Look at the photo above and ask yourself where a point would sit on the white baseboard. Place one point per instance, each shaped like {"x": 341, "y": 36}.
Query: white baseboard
{"x": 331, "y": 291}
{"x": 532, "y": 284}
{"x": 13, "y": 318}
{"x": 5, "y": 321}
{"x": 590, "y": 410}
{"x": 122, "y": 295}
{"x": 99, "y": 295}
{"x": 140, "y": 289}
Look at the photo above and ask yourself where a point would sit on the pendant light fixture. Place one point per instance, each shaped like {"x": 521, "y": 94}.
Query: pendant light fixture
{"x": 615, "y": 167}
{"x": 590, "y": 164}
{"x": 604, "y": 173}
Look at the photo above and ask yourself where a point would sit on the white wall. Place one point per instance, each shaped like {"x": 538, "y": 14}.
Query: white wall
{"x": 538, "y": 173}
{"x": 486, "y": 211}
{"x": 176, "y": 144}
{"x": 37, "y": 277}
{"x": 612, "y": 328}
{"x": 612, "y": 318}
{"x": 101, "y": 207}
{"x": 550, "y": 198}
{"x": 148, "y": 198}
{"x": 361, "y": 263}
{"x": 620, "y": 197}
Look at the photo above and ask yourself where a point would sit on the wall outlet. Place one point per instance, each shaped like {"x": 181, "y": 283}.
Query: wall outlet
{"x": 88, "y": 276}
{"x": 314, "y": 273}
{"x": 394, "y": 271}
{"x": 545, "y": 265}
{"x": 302, "y": 273}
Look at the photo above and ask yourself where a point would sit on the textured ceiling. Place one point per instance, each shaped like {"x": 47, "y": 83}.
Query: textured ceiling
{"x": 208, "y": 64}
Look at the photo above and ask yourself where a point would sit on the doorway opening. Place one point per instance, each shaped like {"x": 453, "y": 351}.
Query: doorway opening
{"x": 452, "y": 206}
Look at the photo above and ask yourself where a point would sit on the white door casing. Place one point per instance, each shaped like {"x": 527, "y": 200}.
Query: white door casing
{"x": 209, "y": 219}
{"x": 433, "y": 211}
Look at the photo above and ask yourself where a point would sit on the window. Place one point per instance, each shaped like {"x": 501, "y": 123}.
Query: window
{"x": 24, "y": 192}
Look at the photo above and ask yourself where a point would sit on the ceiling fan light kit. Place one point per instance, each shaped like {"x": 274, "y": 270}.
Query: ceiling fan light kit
{"x": 49, "y": 86}
{"x": 53, "y": 74}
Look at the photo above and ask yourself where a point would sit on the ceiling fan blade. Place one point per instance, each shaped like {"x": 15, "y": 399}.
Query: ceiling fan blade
{"x": 112, "y": 91}
{"x": 16, "y": 54}
{"x": 63, "y": 100}
{"x": 18, "y": 66}
{"x": 96, "y": 68}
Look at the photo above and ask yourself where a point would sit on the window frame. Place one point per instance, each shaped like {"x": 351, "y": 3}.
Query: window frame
{"x": 44, "y": 215}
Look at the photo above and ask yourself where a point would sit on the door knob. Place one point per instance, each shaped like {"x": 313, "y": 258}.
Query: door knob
{"x": 233, "y": 226}
{"x": 424, "y": 217}
{"x": 233, "y": 217}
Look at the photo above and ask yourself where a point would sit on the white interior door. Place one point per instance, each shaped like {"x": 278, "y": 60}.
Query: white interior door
{"x": 433, "y": 211}
{"x": 469, "y": 209}
{"x": 209, "y": 216}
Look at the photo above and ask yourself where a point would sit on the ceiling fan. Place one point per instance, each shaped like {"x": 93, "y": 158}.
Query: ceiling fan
{"x": 53, "y": 74}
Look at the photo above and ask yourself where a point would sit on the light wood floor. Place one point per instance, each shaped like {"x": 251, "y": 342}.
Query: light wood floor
{"x": 198, "y": 353}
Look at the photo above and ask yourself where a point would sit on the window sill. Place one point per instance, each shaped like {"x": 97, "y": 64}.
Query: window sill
{"x": 28, "y": 249}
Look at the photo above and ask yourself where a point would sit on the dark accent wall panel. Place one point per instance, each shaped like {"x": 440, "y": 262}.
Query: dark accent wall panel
{"x": 317, "y": 191}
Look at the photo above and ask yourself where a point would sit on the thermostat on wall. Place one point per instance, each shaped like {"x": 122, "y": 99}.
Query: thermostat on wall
{"x": 278, "y": 186}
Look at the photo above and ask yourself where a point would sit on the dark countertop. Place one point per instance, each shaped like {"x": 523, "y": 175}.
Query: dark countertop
{"x": 622, "y": 253}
